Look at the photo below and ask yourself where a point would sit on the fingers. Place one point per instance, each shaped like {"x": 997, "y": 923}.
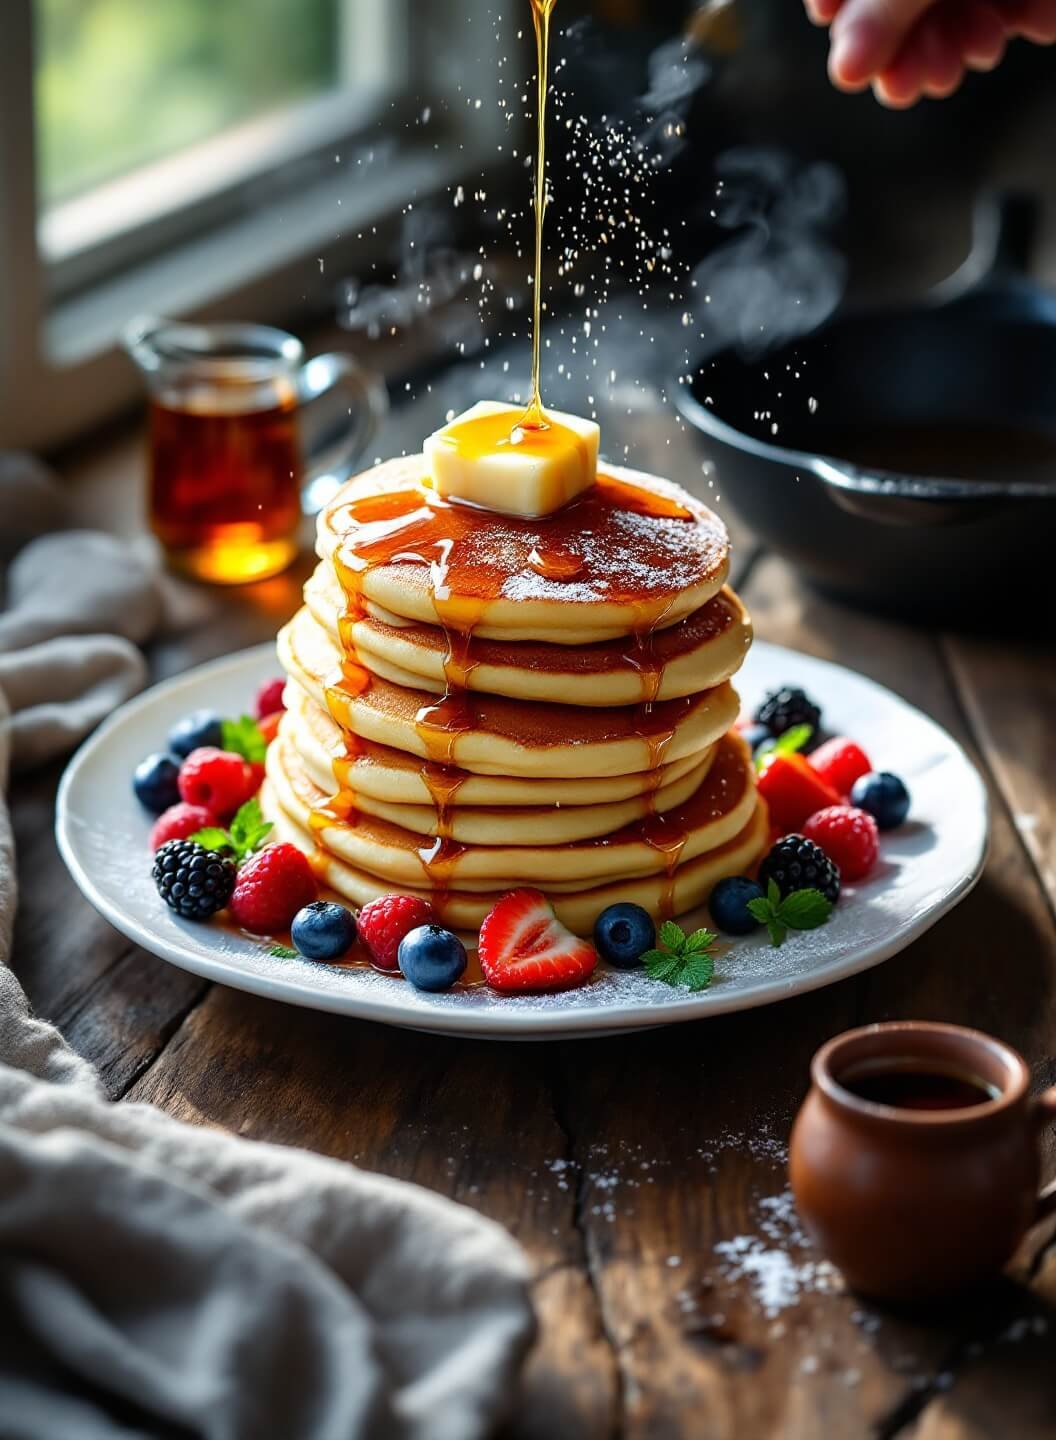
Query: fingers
{"x": 1031, "y": 19}
{"x": 822, "y": 12}
{"x": 982, "y": 35}
{"x": 929, "y": 63}
{"x": 867, "y": 36}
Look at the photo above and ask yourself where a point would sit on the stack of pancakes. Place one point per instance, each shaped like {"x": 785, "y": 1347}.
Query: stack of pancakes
{"x": 478, "y": 702}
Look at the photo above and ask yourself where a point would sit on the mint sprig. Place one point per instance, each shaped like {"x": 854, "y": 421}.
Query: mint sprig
{"x": 243, "y": 737}
{"x": 283, "y": 952}
{"x": 248, "y": 832}
{"x": 685, "y": 960}
{"x": 802, "y": 910}
{"x": 790, "y": 743}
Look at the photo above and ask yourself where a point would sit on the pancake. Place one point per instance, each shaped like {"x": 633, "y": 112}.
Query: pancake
{"x": 446, "y": 814}
{"x": 716, "y": 812}
{"x": 697, "y": 653}
{"x": 629, "y": 555}
{"x": 493, "y": 734}
{"x": 688, "y": 887}
{"x": 392, "y": 776}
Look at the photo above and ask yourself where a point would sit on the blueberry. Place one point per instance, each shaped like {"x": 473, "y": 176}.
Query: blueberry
{"x": 622, "y": 934}
{"x": 431, "y": 957}
{"x": 201, "y": 727}
{"x": 154, "y": 782}
{"x": 728, "y": 905}
{"x": 323, "y": 930}
{"x": 884, "y": 796}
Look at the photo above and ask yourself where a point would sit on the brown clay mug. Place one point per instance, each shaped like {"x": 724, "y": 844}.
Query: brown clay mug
{"x": 915, "y": 1158}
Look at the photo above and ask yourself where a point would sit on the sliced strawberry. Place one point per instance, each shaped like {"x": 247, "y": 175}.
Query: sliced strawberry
{"x": 523, "y": 946}
{"x": 793, "y": 790}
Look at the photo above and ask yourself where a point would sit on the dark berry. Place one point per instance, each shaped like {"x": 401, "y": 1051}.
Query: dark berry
{"x": 787, "y": 707}
{"x": 156, "y": 783}
{"x": 201, "y": 727}
{"x": 623, "y": 933}
{"x": 796, "y": 863}
{"x": 884, "y": 797}
{"x": 431, "y": 957}
{"x": 193, "y": 881}
{"x": 728, "y": 905}
{"x": 323, "y": 930}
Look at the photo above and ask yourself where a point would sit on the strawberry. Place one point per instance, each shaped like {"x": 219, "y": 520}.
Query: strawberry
{"x": 849, "y": 837}
{"x": 269, "y": 697}
{"x": 384, "y": 922}
{"x": 218, "y": 779}
{"x": 840, "y": 762}
{"x": 523, "y": 946}
{"x": 793, "y": 790}
{"x": 269, "y": 726}
{"x": 180, "y": 822}
{"x": 271, "y": 887}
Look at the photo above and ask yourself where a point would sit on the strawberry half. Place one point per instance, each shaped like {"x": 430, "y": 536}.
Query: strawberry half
{"x": 793, "y": 790}
{"x": 523, "y": 946}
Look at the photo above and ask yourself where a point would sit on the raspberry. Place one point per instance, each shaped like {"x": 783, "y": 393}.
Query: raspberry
{"x": 840, "y": 762}
{"x": 179, "y": 822}
{"x": 385, "y": 921}
{"x": 217, "y": 779}
{"x": 271, "y": 887}
{"x": 848, "y": 836}
{"x": 269, "y": 698}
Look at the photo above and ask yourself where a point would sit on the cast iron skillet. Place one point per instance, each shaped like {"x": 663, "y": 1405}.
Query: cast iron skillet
{"x": 980, "y": 354}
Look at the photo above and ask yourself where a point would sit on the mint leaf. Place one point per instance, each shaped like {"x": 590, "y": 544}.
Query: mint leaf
{"x": 283, "y": 952}
{"x": 673, "y": 936}
{"x": 686, "y": 962}
{"x": 802, "y": 910}
{"x": 790, "y": 743}
{"x": 243, "y": 737}
{"x": 805, "y": 910}
{"x": 248, "y": 832}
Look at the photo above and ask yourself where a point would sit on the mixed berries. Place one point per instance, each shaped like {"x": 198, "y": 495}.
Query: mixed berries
{"x": 214, "y": 852}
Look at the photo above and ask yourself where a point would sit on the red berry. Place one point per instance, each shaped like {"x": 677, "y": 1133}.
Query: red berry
{"x": 269, "y": 698}
{"x": 269, "y": 725}
{"x": 180, "y": 822}
{"x": 384, "y": 922}
{"x": 793, "y": 790}
{"x": 840, "y": 762}
{"x": 271, "y": 887}
{"x": 849, "y": 837}
{"x": 217, "y": 779}
{"x": 523, "y": 946}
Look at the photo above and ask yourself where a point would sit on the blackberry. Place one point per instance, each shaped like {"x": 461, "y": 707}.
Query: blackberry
{"x": 796, "y": 863}
{"x": 193, "y": 881}
{"x": 787, "y": 707}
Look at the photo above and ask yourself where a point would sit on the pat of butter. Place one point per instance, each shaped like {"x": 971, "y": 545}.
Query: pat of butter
{"x": 486, "y": 457}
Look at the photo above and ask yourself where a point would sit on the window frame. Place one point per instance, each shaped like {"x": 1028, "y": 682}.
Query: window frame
{"x": 238, "y": 248}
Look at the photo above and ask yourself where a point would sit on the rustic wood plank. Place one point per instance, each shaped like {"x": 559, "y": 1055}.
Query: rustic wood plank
{"x": 1008, "y": 688}
{"x": 472, "y": 1120}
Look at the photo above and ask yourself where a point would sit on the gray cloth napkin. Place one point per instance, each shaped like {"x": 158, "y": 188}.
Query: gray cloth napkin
{"x": 158, "y": 1280}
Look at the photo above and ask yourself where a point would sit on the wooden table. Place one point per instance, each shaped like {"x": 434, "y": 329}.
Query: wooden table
{"x": 624, "y": 1166}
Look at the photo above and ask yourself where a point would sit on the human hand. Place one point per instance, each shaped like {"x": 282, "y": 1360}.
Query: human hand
{"x": 906, "y": 49}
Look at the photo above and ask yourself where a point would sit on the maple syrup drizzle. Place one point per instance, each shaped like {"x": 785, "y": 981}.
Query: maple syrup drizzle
{"x": 541, "y": 13}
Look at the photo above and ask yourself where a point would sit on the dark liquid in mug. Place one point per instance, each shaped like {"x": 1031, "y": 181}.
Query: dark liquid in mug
{"x": 913, "y": 1085}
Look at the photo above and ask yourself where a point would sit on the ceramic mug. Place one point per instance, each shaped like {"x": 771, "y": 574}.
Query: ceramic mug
{"x": 916, "y": 1204}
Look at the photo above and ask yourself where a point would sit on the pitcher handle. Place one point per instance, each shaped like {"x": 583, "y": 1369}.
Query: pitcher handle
{"x": 1043, "y": 1109}
{"x": 331, "y": 459}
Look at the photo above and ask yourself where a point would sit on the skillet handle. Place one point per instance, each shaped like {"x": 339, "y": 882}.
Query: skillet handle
{"x": 1005, "y": 229}
{"x": 901, "y": 500}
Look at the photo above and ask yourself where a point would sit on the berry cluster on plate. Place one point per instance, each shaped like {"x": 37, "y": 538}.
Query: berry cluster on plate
{"x": 212, "y": 853}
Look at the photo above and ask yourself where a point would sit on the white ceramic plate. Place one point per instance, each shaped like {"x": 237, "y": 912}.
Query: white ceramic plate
{"x": 925, "y": 868}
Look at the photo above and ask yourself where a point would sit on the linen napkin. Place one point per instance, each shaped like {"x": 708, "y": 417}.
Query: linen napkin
{"x": 162, "y": 1280}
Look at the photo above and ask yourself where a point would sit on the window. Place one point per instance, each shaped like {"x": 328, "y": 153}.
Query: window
{"x": 200, "y": 156}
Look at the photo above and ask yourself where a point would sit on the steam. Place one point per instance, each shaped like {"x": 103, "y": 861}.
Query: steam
{"x": 781, "y": 276}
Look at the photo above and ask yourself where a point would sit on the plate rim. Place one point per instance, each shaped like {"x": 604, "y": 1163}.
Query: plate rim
{"x": 595, "y": 1022}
